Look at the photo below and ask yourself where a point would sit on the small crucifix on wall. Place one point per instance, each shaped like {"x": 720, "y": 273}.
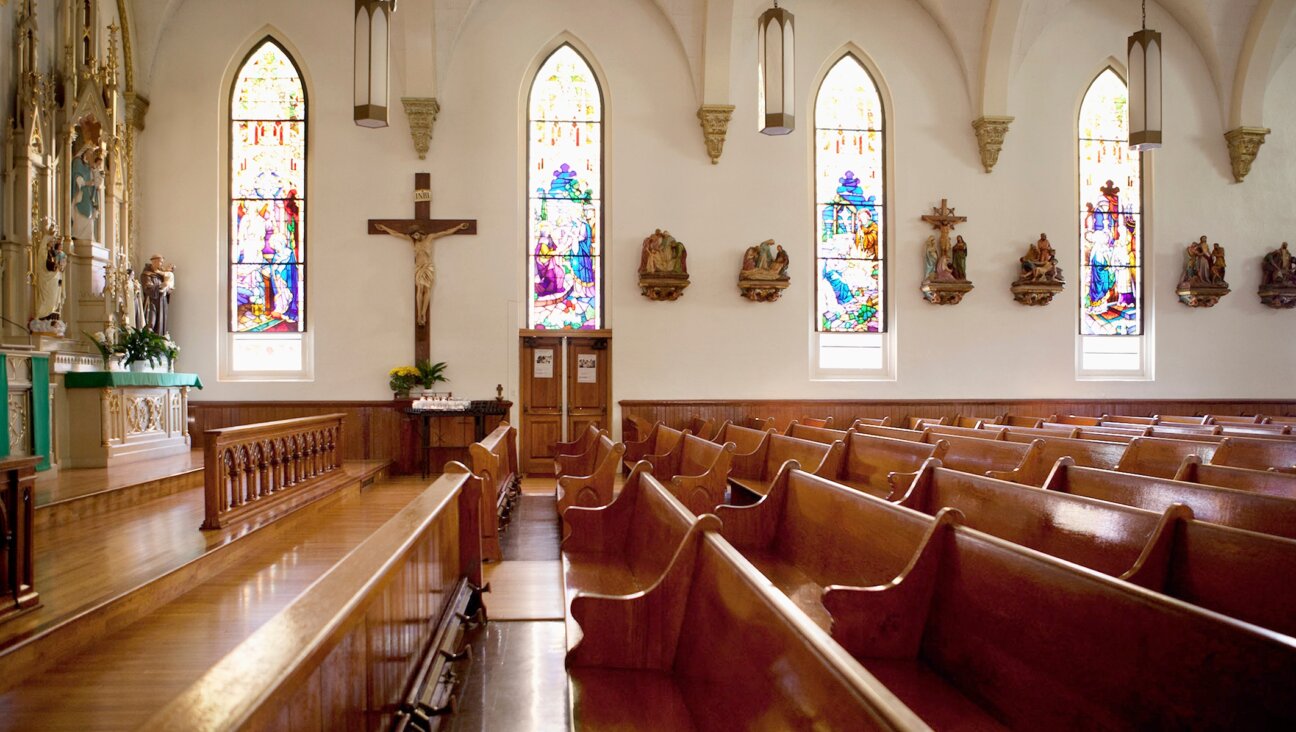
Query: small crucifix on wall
{"x": 422, "y": 231}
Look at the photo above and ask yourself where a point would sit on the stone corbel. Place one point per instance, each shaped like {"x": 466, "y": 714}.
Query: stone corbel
{"x": 1243, "y": 145}
{"x": 136, "y": 110}
{"x": 422, "y": 114}
{"x": 990, "y": 133}
{"x": 715, "y": 125}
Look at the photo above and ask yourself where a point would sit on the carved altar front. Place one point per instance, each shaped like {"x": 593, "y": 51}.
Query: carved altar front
{"x": 126, "y": 417}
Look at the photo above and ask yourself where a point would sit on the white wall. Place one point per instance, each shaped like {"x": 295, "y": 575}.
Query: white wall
{"x": 712, "y": 343}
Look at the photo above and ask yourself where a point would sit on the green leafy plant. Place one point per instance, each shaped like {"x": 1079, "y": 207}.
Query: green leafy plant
{"x": 431, "y": 374}
{"x": 403, "y": 378}
{"x": 108, "y": 342}
{"x": 142, "y": 344}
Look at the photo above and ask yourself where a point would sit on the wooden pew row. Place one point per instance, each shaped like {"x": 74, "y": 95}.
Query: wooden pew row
{"x": 589, "y": 479}
{"x": 1240, "y": 509}
{"x": 1161, "y": 457}
{"x": 1240, "y": 452}
{"x": 882, "y": 466}
{"x": 1228, "y": 419}
{"x": 824, "y": 435}
{"x": 331, "y": 658}
{"x": 1042, "y": 432}
{"x": 971, "y": 631}
{"x": 754, "y": 472}
{"x": 1242, "y": 574}
{"x": 983, "y": 432}
{"x": 712, "y": 646}
{"x": 978, "y": 456}
{"x": 872, "y": 421}
{"x": 746, "y": 440}
{"x": 1268, "y": 482}
{"x": 895, "y": 433}
{"x": 659, "y": 441}
{"x": 494, "y": 462}
{"x": 579, "y": 446}
{"x": 696, "y": 472}
{"x": 1088, "y": 453}
{"x": 1171, "y": 419}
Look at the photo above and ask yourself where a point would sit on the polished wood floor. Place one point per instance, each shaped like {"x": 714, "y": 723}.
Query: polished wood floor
{"x": 130, "y": 673}
{"x": 62, "y": 485}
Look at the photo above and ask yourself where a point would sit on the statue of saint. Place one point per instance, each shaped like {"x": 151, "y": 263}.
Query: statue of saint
{"x": 1218, "y": 265}
{"x": 959, "y": 268}
{"x": 87, "y": 182}
{"x": 1278, "y": 268}
{"x": 931, "y": 254}
{"x": 50, "y": 291}
{"x": 132, "y": 301}
{"x": 424, "y": 269}
{"x": 1040, "y": 263}
{"x": 157, "y": 282}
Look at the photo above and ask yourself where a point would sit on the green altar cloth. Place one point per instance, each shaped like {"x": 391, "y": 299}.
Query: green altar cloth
{"x": 101, "y": 379}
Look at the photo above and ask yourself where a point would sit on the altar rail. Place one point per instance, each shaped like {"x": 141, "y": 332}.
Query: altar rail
{"x": 251, "y": 469}
{"x": 17, "y": 503}
{"x": 351, "y": 651}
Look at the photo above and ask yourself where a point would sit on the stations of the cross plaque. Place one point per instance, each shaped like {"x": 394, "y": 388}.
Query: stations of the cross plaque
{"x": 422, "y": 231}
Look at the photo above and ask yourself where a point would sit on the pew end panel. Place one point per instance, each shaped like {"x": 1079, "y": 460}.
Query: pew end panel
{"x": 871, "y": 422}
{"x": 584, "y": 458}
{"x": 596, "y": 488}
{"x": 1266, "y": 482}
{"x": 704, "y": 491}
{"x": 594, "y": 528}
{"x": 755, "y": 526}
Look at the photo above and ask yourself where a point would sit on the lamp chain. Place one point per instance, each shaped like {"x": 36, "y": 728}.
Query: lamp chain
{"x": 1144, "y": 13}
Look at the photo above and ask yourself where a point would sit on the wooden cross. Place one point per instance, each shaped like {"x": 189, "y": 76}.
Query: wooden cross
{"x": 943, "y": 218}
{"x": 422, "y": 225}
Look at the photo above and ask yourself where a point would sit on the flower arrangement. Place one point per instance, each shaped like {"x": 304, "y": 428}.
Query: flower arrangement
{"x": 425, "y": 374}
{"x": 431, "y": 374}
{"x": 142, "y": 344}
{"x": 109, "y": 343}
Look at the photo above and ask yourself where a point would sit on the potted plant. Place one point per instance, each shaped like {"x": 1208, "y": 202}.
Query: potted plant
{"x": 145, "y": 349}
{"x": 431, "y": 374}
{"x": 403, "y": 378}
{"x": 111, "y": 347}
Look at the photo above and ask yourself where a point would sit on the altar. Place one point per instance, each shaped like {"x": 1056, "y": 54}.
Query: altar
{"x": 121, "y": 417}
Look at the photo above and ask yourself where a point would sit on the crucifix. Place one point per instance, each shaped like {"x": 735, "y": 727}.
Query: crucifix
{"x": 422, "y": 231}
{"x": 944, "y": 220}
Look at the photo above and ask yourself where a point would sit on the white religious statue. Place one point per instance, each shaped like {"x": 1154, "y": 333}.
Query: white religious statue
{"x": 50, "y": 290}
{"x": 132, "y": 300}
{"x": 424, "y": 269}
{"x": 87, "y": 182}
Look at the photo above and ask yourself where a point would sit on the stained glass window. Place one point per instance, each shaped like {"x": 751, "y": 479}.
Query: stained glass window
{"x": 267, "y": 194}
{"x": 849, "y": 197}
{"x": 1111, "y": 231}
{"x": 564, "y": 186}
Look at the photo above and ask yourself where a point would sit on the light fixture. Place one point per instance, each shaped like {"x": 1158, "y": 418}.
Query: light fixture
{"x": 372, "y": 20}
{"x": 1145, "y": 88}
{"x": 776, "y": 97}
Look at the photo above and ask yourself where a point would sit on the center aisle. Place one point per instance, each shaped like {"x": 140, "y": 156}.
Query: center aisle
{"x": 517, "y": 679}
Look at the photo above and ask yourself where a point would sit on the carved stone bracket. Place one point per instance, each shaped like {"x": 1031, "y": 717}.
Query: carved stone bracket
{"x": 762, "y": 290}
{"x": 990, "y": 134}
{"x": 1243, "y": 144}
{"x": 422, "y": 114}
{"x": 1035, "y": 293}
{"x": 660, "y": 288}
{"x": 715, "y": 125}
{"x": 137, "y": 108}
{"x": 1278, "y": 298}
{"x": 945, "y": 293}
{"x": 1201, "y": 297}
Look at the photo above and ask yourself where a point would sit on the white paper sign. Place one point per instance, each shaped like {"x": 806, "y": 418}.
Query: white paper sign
{"x": 544, "y": 358}
{"x": 587, "y": 369}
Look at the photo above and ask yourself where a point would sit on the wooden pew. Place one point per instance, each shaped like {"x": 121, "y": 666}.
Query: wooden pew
{"x": 703, "y": 428}
{"x": 972, "y": 455}
{"x": 881, "y": 466}
{"x": 976, "y": 632}
{"x": 1075, "y": 419}
{"x": 1094, "y": 434}
{"x": 1268, "y": 482}
{"x": 1088, "y": 453}
{"x": 895, "y": 433}
{"x": 918, "y": 423}
{"x": 746, "y": 440}
{"x": 1026, "y": 434}
{"x": 754, "y": 473}
{"x": 872, "y": 421}
{"x": 1160, "y": 457}
{"x": 1243, "y": 574}
{"x": 815, "y": 434}
{"x": 757, "y": 423}
{"x": 1260, "y": 431}
{"x": 1206, "y": 433}
{"x": 494, "y": 462}
{"x": 1060, "y": 430}
{"x": 1018, "y": 420}
{"x": 972, "y": 422}
{"x": 1120, "y": 420}
{"x": 1173, "y": 419}
{"x": 658, "y": 442}
{"x": 579, "y": 446}
{"x": 696, "y": 471}
{"x": 1240, "y": 509}
{"x": 1287, "y": 420}
{"x": 17, "y": 516}
{"x": 624, "y": 547}
{"x": 713, "y": 647}
{"x": 588, "y": 480}
{"x": 1240, "y": 452}
{"x": 985, "y": 432}
{"x": 813, "y": 422}
{"x": 1230, "y": 419}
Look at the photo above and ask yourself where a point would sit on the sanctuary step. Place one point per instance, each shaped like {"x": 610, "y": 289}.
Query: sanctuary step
{"x": 71, "y": 494}
{"x": 99, "y": 572}
{"x": 135, "y": 668}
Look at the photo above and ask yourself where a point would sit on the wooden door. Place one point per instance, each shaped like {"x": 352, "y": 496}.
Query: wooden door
{"x": 566, "y": 386}
{"x": 542, "y": 402}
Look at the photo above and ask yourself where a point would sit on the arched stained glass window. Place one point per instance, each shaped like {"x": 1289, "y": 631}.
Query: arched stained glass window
{"x": 268, "y": 194}
{"x": 1111, "y": 213}
{"x": 565, "y": 186}
{"x": 850, "y": 195}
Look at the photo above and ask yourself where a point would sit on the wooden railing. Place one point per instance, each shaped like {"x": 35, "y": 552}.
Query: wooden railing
{"x": 368, "y": 644}
{"x": 256, "y": 467}
{"x": 17, "y": 507}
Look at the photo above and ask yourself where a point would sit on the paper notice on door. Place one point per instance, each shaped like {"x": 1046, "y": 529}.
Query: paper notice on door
{"x": 587, "y": 368}
{"x": 544, "y": 363}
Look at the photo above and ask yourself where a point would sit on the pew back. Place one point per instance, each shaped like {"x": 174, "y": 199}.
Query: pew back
{"x": 871, "y": 462}
{"x": 596, "y": 487}
{"x": 1088, "y": 453}
{"x": 1171, "y": 419}
{"x": 895, "y": 433}
{"x": 1161, "y": 457}
{"x": 1075, "y": 419}
{"x": 1018, "y": 420}
{"x": 746, "y": 440}
{"x": 978, "y": 456}
{"x": 872, "y": 421}
{"x": 1240, "y": 452}
{"x": 815, "y": 434}
{"x": 1234, "y": 419}
{"x": 988, "y": 432}
{"x": 494, "y": 462}
{"x": 1268, "y": 482}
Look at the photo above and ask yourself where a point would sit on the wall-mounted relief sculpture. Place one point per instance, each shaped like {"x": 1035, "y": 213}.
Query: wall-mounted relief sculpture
{"x": 764, "y": 276}
{"x": 1278, "y": 279}
{"x": 663, "y": 267}
{"x": 1041, "y": 277}
{"x": 945, "y": 279}
{"x": 1202, "y": 284}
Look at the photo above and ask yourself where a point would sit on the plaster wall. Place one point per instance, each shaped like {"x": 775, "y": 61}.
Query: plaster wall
{"x": 712, "y": 343}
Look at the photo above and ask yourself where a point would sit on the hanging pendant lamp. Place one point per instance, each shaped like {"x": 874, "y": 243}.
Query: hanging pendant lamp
{"x": 1145, "y": 88}
{"x": 372, "y": 21}
{"x": 776, "y": 96}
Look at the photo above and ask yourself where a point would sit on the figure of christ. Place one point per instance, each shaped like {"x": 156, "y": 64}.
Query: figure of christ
{"x": 424, "y": 269}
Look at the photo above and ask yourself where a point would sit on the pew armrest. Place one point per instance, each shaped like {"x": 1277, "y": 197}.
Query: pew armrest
{"x": 754, "y": 526}
{"x": 580, "y": 464}
{"x": 598, "y": 529}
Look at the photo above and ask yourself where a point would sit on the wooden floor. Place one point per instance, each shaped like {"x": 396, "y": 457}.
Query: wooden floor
{"x": 62, "y": 485}
{"x": 151, "y": 660}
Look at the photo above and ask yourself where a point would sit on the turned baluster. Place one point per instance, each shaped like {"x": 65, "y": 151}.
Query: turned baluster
{"x": 276, "y": 466}
{"x": 263, "y": 478}
{"x": 309, "y": 457}
{"x": 294, "y": 461}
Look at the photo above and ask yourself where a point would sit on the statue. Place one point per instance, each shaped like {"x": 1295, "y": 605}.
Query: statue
{"x": 87, "y": 181}
{"x": 1278, "y": 279}
{"x": 1202, "y": 284}
{"x": 1040, "y": 276}
{"x": 157, "y": 282}
{"x": 424, "y": 269}
{"x": 133, "y": 303}
{"x": 959, "y": 269}
{"x": 663, "y": 267}
{"x": 50, "y": 290}
{"x": 945, "y": 279}
{"x": 764, "y": 273}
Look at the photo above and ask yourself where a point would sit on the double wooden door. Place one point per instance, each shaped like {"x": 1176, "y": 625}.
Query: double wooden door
{"x": 566, "y": 386}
